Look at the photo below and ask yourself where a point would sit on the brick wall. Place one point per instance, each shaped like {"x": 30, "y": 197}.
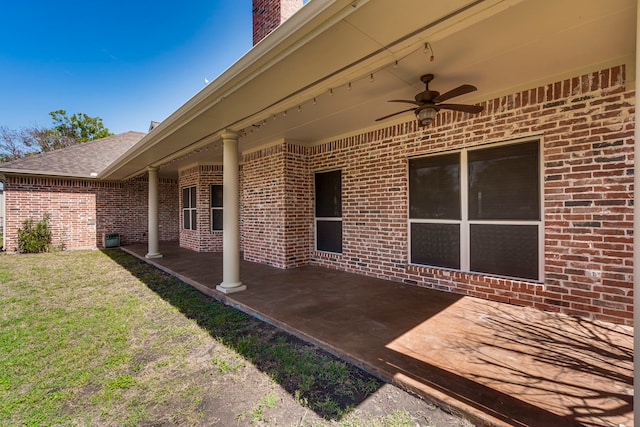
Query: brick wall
{"x": 276, "y": 209}
{"x": 268, "y": 14}
{"x": 202, "y": 239}
{"x": 81, "y": 211}
{"x": 298, "y": 206}
{"x": 168, "y": 210}
{"x": 263, "y": 206}
{"x": 586, "y": 125}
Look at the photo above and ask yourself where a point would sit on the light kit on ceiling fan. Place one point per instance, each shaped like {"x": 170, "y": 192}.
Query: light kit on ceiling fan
{"x": 429, "y": 102}
{"x": 426, "y": 115}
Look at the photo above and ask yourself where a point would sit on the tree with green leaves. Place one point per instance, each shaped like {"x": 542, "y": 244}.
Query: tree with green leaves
{"x": 79, "y": 126}
{"x": 66, "y": 131}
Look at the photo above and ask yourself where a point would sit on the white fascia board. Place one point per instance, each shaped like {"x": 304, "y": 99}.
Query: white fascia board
{"x": 46, "y": 174}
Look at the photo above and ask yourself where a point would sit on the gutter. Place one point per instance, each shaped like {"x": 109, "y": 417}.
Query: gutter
{"x": 47, "y": 174}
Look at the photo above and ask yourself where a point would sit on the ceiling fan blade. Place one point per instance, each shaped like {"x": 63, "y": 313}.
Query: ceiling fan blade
{"x": 394, "y": 114}
{"x": 460, "y": 90}
{"x": 462, "y": 107}
{"x": 406, "y": 101}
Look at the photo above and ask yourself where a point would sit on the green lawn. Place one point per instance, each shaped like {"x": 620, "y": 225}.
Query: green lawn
{"x": 101, "y": 338}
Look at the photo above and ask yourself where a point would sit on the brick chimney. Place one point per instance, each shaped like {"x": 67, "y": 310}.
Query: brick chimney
{"x": 268, "y": 14}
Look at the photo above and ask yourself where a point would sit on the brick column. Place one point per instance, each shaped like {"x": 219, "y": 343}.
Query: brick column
{"x": 230, "y": 216}
{"x": 154, "y": 243}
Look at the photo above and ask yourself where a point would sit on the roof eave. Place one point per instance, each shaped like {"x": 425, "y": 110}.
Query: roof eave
{"x": 46, "y": 174}
{"x": 273, "y": 48}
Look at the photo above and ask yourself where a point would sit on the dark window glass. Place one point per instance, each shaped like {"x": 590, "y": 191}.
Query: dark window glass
{"x": 186, "y": 219}
{"x": 216, "y": 205}
{"x": 329, "y": 194}
{"x": 328, "y": 187}
{"x": 194, "y": 221}
{"x": 189, "y": 208}
{"x": 507, "y": 250}
{"x": 216, "y": 196}
{"x": 193, "y": 197}
{"x": 185, "y": 198}
{"x": 434, "y": 187}
{"x": 329, "y": 236}
{"x": 217, "y": 219}
{"x": 504, "y": 182}
{"x": 435, "y": 244}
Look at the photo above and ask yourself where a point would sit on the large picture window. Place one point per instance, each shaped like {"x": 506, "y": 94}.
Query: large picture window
{"x": 216, "y": 207}
{"x": 189, "y": 210}
{"x": 478, "y": 210}
{"x": 328, "y": 211}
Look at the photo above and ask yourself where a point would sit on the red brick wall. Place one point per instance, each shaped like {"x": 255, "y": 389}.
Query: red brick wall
{"x": 81, "y": 211}
{"x": 189, "y": 239}
{"x": 168, "y": 210}
{"x": 263, "y": 206}
{"x": 268, "y": 14}
{"x": 202, "y": 239}
{"x": 586, "y": 125}
{"x": 298, "y": 206}
{"x": 276, "y": 209}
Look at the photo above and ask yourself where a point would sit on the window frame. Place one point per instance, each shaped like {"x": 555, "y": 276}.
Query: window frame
{"x": 214, "y": 208}
{"x": 191, "y": 208}
{"x": 465, "y": 223}
{"x": 318, "y": 219}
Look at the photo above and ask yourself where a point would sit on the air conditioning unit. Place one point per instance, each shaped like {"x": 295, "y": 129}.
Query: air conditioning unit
{"x": 110, "y": 240}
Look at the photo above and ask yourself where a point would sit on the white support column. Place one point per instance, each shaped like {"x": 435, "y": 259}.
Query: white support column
{"x": 154, "y": 243}
{"x": 230, "y": 216}
{"x": 636, "y": 233}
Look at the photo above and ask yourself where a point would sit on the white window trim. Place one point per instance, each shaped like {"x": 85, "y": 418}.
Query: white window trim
{"x": 317, "y": 218}
{"x": 213, "y": 208}
{"x": 465, "y": 223}
{"x": 215, "y": 230}
{"x": 315, "y": 232}
{"x": 190, "y": 209}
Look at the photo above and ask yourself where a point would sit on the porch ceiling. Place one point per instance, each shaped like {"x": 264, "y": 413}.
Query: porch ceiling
{"x": 500, "y": 46}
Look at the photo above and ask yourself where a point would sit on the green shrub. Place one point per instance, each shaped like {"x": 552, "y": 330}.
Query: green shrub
{"x": 35, "y": 238}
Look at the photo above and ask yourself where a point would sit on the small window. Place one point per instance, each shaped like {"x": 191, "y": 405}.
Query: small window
{"x": 189, "y": 210}
{"x": 328, "y": 211}
{"x": 216, "y": 207}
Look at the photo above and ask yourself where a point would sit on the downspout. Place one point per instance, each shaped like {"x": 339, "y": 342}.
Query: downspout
{"x": 636, "y": 232}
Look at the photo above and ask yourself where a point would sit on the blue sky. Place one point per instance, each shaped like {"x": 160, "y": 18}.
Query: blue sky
{"x": 128, "y": 62}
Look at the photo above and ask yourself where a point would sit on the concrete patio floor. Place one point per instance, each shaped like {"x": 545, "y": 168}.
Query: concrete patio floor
{"x": 493, "y": 363}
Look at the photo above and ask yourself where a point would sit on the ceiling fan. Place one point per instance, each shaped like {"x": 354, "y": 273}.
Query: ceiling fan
{"x": 429, "y": 102}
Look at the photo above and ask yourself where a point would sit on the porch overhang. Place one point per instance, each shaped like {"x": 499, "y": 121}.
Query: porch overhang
{"x": 330, "y": 69}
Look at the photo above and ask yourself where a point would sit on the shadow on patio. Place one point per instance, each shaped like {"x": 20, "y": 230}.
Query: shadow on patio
{"x": 497, "y": 364}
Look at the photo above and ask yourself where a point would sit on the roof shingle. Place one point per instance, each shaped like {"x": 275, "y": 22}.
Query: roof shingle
{"x": 83, "y": 160}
